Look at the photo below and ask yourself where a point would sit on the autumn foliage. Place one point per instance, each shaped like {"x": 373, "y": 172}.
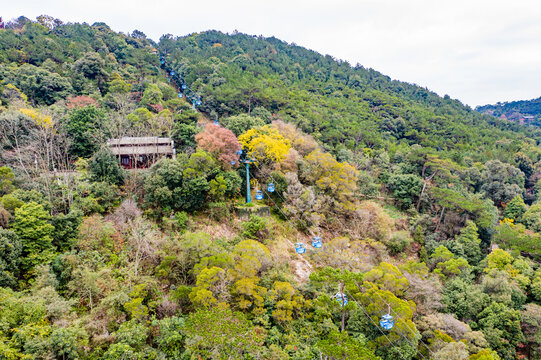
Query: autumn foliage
{"x": 221, "y": 143}
{"x": 80, "y": 102}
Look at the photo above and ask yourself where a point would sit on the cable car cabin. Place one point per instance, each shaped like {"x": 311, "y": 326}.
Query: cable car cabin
{"x": 316, "y": 242}
{"x": 341, "y": 298}
{"x": 270, "y": 187}
{"x": 155, "y": 51}
{"x": 141, "y": 152}
{"x": 232, "y": 162}
{"x": 259, "y": 195}
{"x": 386, "y": 322}
{"x": 180, "y": 95}
{"x": 299, "y": 248}
{"x": 198, "y": 102}
{"x": 216, "y": 122}
{"x": 184, "y": 87}
{"x": 172, "y": 73}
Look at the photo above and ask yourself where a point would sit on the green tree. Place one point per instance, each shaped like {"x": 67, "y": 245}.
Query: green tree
{"x": 405, "y": 188}
{"x": 221, "y": 334}
{"x": 239, "y": 124}
{"x": 66, "y": 229}
{"x": 338, "y": 346}
{"x": 470, "y": 242}
{"x": 463, "y": 299}
{"x": 501, "y": 326}
{"x": 10, "y": 252}
{"x": 105, "y": 167}
{"x": 171, "y": 338}
{"x": 515, "y": 208}
{"x": 6, "y": 180}
{"x": 501, "y": 182}
{"x": 532, "y": 217}
{"x": 83, "y": 127}
{"x": 446, "y": 264}
{"x": 32, "y": 225}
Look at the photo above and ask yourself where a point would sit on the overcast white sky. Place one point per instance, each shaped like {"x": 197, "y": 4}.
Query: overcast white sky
{"x": 477, "y": 51}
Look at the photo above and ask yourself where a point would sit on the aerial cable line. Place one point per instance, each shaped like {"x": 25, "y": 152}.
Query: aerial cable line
{"x": 345, "y": 289}
{"x": 259, "y": 196}
{"x": 385, "y": 302}
{"x": 377, "y": 307}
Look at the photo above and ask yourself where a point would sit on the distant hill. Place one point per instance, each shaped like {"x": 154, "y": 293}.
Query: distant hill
{"x": 342, "y": 105}
{"x": 523, "y": 111}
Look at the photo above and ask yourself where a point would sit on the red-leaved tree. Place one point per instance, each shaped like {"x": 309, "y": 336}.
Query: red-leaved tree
{"x": 80, "y": 102}
{"x": 220, "y": 143}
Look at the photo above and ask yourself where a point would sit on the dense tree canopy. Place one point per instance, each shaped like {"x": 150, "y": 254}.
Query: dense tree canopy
{"x": 427, "y": 211}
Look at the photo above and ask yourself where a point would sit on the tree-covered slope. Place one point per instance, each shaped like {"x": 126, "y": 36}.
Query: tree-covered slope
{"x": 342, "y": 105}
{"x": 425, "y": 210}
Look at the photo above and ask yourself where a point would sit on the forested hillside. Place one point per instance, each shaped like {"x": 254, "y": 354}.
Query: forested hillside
{"x": 523, "y": 111}
{"x": 420, "y": 219}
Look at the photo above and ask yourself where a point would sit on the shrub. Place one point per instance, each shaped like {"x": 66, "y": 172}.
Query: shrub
{"x": 398, "y": 242}
{"x": 255, "y": 228}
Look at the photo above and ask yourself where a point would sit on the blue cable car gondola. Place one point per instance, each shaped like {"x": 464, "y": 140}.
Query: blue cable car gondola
{"x": 386, "y": 322}
{"x": 172, "y": 73}
{"x": 184, "y": 87}
{"x": 270, "y": 187}
{"x": 341, "y": 298}
{"x": 259, "y": 195}
{"x": 316, "y": 242}
{"x": 198, "y": 102}
{"x": 233, "y": 162}
{"x": 299, "y": 248}
{"x": 216, "y": 122}
{"x": 180, "y": 94}
{"x": 239, "y": 152}
{"x": 162, "y": 62}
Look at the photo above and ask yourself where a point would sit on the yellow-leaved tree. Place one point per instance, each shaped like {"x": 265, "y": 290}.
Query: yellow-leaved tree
{"x": 39, "y": 119}
{"x": 265, "y": 144}
{"x": 333, "y": 178}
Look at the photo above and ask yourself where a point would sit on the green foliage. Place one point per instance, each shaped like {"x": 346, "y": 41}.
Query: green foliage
{"x": 99, "y": 197}
{"x": 255, "y": 228}
{"x": 32, "y": 225}
{"x": 338, "y": 345}
{"x": 469, "y": 242}
{"x": 515, "y": 209}
{"x": 171, "y": 338}
{"x": 339, "y": 139}
{"x": 105, "y": 167}
{"x": 83, "y": 127}
{"x": 241, "y": 123}
{"x": 532, "y": 217}
{"x": 151, "y": 96}
{"x": 398, "y": 242}
{"x": 501, "y": 182}
{"x": 446, "y": 264}
{"x": 10, "y": 252}
{"x": 180, "y": 184}
{"x": 463, "y": 299}
{"x": 66, "y": 229}
{"x": 406, "y": 188}
{"x": 221, "y": 334}
{"x": 6, "y": 180}
{"x": 333, "y": 178}
{"x": 502, "y": 330}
